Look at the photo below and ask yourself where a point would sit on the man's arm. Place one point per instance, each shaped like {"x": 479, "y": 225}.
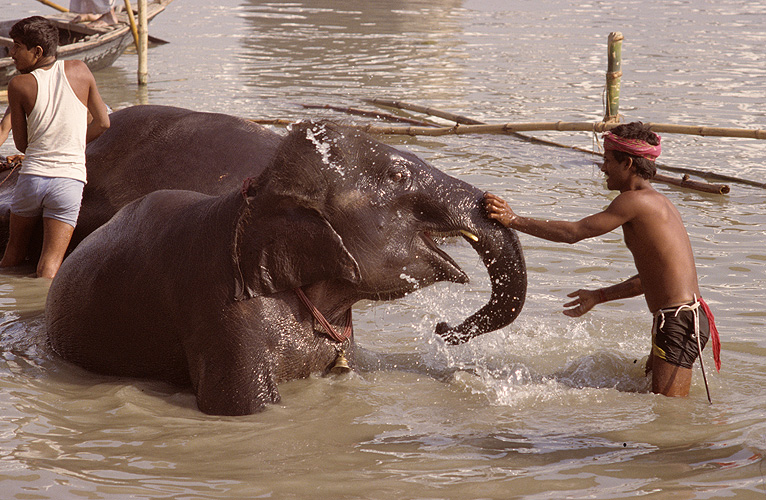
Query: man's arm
{"x": 97, "y": 109}
{"x": 5, "y": 125}
{"x": 84, "y": 85}
{"x": 586, "y": 299}
{"x": 559, "y": 231}
{"x": 22, "y": 92}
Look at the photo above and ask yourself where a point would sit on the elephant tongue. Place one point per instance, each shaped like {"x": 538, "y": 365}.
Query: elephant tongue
{"x": 348, "y": 329}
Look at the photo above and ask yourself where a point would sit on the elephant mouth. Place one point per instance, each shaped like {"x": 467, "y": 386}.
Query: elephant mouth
{"x": 450, "y": 270}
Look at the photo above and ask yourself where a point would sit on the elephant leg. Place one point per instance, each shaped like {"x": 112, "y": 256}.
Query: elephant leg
{"x": 228, "y": 383}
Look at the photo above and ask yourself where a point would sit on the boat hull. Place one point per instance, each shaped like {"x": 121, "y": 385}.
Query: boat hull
{"x": 97, "y": 48}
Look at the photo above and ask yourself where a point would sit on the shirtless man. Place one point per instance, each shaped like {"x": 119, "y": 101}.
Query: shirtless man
{"x": 49, "y": 104}
{"x": 655, "y": 235}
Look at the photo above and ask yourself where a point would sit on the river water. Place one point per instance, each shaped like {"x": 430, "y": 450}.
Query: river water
{"x": 549, "y": 407}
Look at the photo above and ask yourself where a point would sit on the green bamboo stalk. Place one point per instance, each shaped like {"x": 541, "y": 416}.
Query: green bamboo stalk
{"x": 613, "y": 75}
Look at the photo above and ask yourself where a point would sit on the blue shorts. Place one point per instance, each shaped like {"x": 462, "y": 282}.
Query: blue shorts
{"x": 56, "y": 198}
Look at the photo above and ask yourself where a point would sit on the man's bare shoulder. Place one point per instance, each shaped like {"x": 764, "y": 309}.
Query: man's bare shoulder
{"x": 20, "y": 82}
{"x": 22, "y": 91}
{"x": 78, "y": 71}
{"x": 75, "y": 64}
{"x": 638, "y": 198}
{"x": 647, "y": 206}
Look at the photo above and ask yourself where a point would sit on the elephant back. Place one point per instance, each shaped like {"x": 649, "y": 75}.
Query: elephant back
{"x": 149, "y": 148}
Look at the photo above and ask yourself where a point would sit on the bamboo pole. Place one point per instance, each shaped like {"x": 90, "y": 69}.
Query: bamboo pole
{"x": 613, "y": 75}
{"x": 561, "y": 126}
{"x": 370, "y": 114}
{"x": 54, "y": 5}
{"x": 132, "y": 21}
{"x": 706, "y": 187}
{"x": 569, "y": 126}
{"x": 143, "y": 44}
{"x": 686, "y": 182}
{"x": 425, "y": 110}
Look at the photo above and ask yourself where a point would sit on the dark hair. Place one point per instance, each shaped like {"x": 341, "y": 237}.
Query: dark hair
{"x": 34, "y": 31}
{"x": 645, "y": 167}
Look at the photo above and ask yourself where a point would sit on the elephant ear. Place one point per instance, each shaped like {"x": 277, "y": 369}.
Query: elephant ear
{"x": 281, "y": 248}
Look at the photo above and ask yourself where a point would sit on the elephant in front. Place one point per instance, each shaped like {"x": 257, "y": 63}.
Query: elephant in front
{"x": 234, "y": 293}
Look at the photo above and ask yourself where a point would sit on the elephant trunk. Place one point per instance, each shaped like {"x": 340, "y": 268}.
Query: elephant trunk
{"x": 500, "y": 250}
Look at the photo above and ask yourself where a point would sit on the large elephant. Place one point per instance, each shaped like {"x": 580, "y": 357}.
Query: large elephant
{"x": 204, "y": 291}
{"x": 147, "y": 148}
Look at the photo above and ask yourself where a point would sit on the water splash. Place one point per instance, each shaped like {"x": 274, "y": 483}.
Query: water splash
{"x": 323, "y": 147}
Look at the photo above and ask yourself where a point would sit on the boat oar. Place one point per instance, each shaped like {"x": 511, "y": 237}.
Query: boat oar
{"x": 133, "y": 27}
{"x": 54, "y": 5}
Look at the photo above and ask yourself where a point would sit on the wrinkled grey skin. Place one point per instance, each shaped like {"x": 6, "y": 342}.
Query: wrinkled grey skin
{"x": 198, "y": 290}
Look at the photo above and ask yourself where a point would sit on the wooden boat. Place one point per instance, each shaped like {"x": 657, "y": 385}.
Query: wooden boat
{"x": 98, "y": 47}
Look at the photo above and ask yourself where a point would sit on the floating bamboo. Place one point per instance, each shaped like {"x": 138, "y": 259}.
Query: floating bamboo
{"x": 561, "y": 126}
{"x": 613, "y": 75}
{"x": 439, "y": 113}
{"x": 370, "y": 114}
{"x": 686, "y": 182}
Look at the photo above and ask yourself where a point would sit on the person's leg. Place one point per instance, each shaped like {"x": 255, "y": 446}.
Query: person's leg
{"x": 669, "y": 379}
{"x": 20, "y": 229}
{"x": 110, "y": 17}
{"x": 61, "y": 208}
{"x": 56, "y": 237}
{"x": 85, "y": 18}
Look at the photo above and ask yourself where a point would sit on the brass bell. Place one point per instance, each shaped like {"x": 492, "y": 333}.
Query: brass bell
{"x": 341, "y": 364}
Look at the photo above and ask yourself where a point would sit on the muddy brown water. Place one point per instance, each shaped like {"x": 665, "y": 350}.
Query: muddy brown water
{"x": 549, "y": 407}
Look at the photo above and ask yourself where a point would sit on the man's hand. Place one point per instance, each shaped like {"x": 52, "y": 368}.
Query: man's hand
{"x": 12, "y": 161}
{"x": 584, "y": 302}
{"x": 498, "y": 209}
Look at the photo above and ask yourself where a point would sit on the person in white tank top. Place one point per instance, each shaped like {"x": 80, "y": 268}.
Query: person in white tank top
{"x": 49, "y": 104}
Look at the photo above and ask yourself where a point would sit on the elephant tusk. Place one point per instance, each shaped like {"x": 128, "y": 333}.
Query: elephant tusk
{"x": 469, "y": 235}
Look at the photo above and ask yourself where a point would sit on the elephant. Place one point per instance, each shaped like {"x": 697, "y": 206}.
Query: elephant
{"x": 153, "y": 147}
{"x": 232, "y": 294}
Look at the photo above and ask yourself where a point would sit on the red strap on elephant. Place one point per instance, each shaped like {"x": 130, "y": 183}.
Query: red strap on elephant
{"x": 348, "y": 328}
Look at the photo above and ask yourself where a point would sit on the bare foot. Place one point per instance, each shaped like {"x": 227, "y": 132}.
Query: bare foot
{"x": 109, "y": 18}
{"x": 85, "y": 18}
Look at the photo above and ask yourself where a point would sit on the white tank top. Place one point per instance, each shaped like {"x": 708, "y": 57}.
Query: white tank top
{"x": 56, "y": 128}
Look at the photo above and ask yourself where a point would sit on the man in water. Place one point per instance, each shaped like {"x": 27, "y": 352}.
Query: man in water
{"x": 49, "y": 104}
{"x": 655, "y": 235}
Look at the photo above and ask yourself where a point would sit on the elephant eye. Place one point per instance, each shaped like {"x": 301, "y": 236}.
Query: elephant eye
{"x": 398, "y": 175}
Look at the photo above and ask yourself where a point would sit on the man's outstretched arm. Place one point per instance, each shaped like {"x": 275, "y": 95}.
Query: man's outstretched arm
{"x": 585, "y": 300}
{"x": 554, "y": 230}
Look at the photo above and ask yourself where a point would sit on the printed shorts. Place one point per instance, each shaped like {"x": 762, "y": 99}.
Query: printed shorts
{"x": 673, "y": 339}
{"x": 56, "y": 198}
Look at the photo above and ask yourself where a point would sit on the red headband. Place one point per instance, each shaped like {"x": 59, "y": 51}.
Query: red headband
{"x": 633, "y": 147}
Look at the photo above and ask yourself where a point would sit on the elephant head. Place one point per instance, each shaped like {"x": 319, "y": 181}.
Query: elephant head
{"x": 366, "y": 214}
